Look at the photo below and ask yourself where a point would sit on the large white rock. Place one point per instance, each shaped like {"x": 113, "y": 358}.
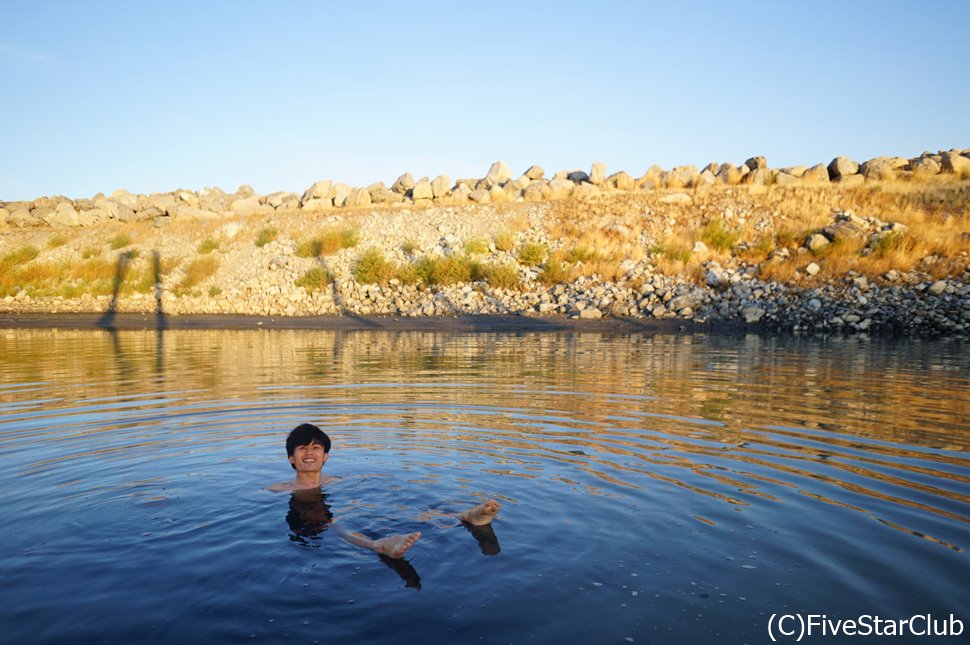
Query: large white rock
{"x": 322, "y": 190}
{"x": 535, "y": 172}
{"x": 841, "y": 167}
{"x": 341, "y": 192}
{"x": 64, "y": 215}
{"x": 422, "y": 190}
{"x": 498, "y": 173}
{"x": 441, "y": 185}
{"x": 597, "y": 173}
{"x": 956, "y": 163}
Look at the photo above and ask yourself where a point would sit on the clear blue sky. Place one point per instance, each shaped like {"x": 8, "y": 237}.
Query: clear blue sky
{"x": 154, "y": 96}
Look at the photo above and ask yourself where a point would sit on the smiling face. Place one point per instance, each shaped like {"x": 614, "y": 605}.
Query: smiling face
{"x": 308, "y": 458}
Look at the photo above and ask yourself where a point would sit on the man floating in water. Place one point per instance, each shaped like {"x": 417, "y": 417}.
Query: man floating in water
{"x": 308, "y": 447}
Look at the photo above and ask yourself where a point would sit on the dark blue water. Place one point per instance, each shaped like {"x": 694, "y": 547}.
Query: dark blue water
{"x": 654, "y": 488}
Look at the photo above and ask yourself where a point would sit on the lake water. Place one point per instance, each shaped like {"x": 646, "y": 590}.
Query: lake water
{"x": 655, "y": 488}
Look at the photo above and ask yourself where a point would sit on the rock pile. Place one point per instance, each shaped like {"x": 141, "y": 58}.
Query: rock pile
{"x": 498, "y": 185}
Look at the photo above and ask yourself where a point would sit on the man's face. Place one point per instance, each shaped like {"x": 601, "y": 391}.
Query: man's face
{"x": 308, "y": 458}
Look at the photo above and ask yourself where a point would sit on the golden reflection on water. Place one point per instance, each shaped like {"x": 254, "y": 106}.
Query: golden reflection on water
{"x": 858, "y": 419}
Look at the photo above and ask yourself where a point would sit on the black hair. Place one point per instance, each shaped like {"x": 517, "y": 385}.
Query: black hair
{"x": 303, "y": 435}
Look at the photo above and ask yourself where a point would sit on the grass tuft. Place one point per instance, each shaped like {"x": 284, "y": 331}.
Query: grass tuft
{"x": 373, "y": 268}
{"x": 119, "y": 241}
{"x": 266, "y": 235}
{"x": 315, "y": 279}
{"x": 208, "y": 245}
{"x": 532, "y": 253}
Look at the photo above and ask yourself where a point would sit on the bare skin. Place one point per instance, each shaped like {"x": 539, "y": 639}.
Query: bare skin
{"x": 393, "y": 546}
{"x": 308, "y": 461}
{"x": 482, "y": 514}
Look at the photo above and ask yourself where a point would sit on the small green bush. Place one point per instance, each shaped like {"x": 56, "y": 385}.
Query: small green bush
{"x": 373, "y": 268}
{"x": 580, "y": 254}
{"x": 119, "y": 242}
{"x": 445, "y": 270}
{"x": 315, "y": 279}
{"x": 208, "y": 245}
{"x": 409, "y": 247}
{"x": 717, "y": 236}
{"x": 476, "y": 246}
{"x": 17, "y": 257}
{"x": 311, "y": 248}
{"x": 554, "y": 272}
{"x": 502, "y": 276}
{"x": 56, "y": 241}
{"x": 532, "y": 253}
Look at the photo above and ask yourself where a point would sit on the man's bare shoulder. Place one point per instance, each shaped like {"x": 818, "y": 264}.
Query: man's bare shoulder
{"x": 282, "y": 487}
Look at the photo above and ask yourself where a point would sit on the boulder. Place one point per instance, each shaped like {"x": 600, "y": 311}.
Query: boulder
{"x": 535, "y": 172}
{"x": 880, "y": 169}
{"x": 812, "y": 269}
{"x": 422, "y": 190}
{"x": 752, "y": 314}
{"x": 755, "y": 163}
{"x": 498, "y": 173}
{"x": 63, "y": 215}
{"x": 122, "y": 196}
{"x": 461, "y": 194}
{"x": 816, "y": 242}
{"x": 795, "y": 171}
{"x": 341, "y": 192}
{"x": 480, "y": 196}
{"x": 559, "y": 188}
{"x": 597, "y": 173}
{"x": 729, "y": 174}
{"x": 956, "y": 163}
{"x": 577, "y": 176}
{"x": 24, "y": 216}
{"x": 851, "y": 181}
{"x": 712, "y": 168}
{"x": 621, "y": 181}
{"x": 184, "y": 212}
{"x": 585, "y": 189}
{"x": 358, "y": 197}
{"x": 244, "y": 206}
{"x": 706, "y": 178}
{"x": 784, "y": 179}
{"x": 537, "y": 191}
{"x": 497, "y": 194}
{"x": 322, "y": 190}
{"x": 245, "y": 191}
{"x": 841, "y": 167}
{"x": 403, "y": 184}
{"x": 681, "y": 177}
{"x": 817, "y": 174}
{"x": 925, "y": 166}
{"x": 758, "y": 177}
{"x": 653, "y": 178}
{"x": 278, "y": 199}
{"x": 441, "y": 185}
{"x": 318, "y": 204}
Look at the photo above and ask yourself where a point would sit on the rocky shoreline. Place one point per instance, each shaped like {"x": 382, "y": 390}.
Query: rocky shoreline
{"x": 880, "y": 247}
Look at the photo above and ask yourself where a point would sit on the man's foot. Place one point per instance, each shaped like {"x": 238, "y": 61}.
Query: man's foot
{"x": 394, "y": 546}
{"x": 482, "y": 514}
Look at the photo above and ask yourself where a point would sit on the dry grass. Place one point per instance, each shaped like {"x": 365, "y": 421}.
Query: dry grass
{"x": 266, "y": 235}
{"x": 476, "y": 246}
{"x": 329, "y": 242}
{"x": 197, "y": 272}
{"x": 441, "y": 271}
{"x": 501, "y": 276}
{"x": 208, "y": 245}
{"x": 532, "y": 253}
{"x": 505, "y": 241}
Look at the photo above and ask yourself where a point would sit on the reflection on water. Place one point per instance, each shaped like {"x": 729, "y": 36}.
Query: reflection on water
{"x": 838, "y": 462}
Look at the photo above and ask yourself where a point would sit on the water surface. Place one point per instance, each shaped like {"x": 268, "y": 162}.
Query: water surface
{"x": 654, "y": 487}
